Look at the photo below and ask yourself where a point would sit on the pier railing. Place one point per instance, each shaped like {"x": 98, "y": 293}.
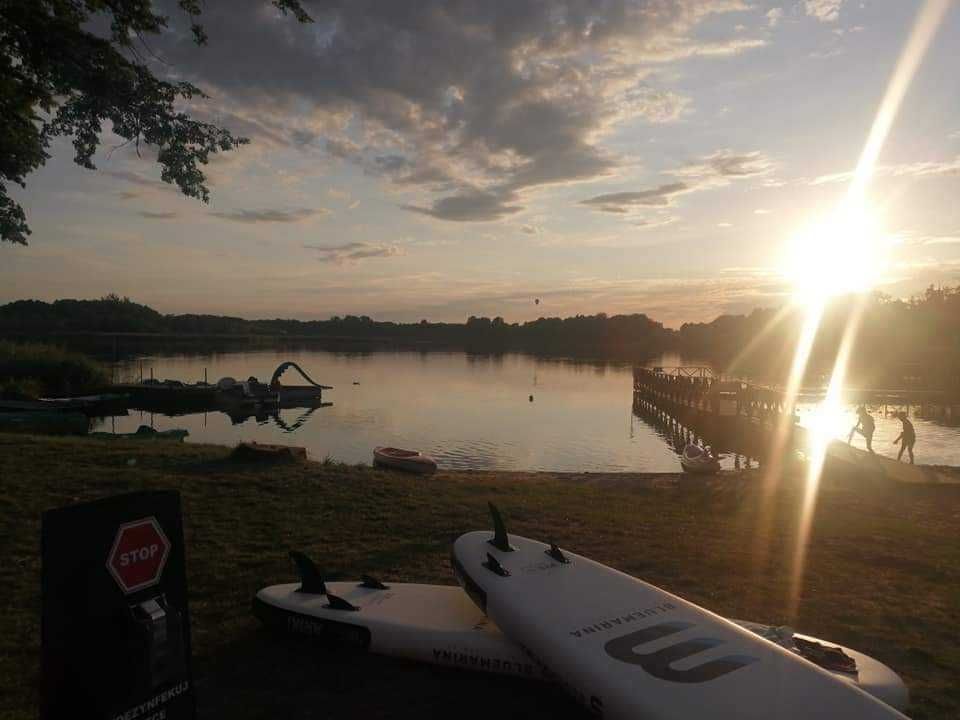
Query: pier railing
{"x": 743, "y": 416}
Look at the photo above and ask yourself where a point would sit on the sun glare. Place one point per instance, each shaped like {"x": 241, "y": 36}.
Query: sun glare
{"x": 845, "y": 252}
{"x": 827, "y": 421}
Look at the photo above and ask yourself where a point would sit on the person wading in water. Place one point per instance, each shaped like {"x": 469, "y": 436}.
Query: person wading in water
{"x": 865, "y": 426}
{"x": 908, "y": 435}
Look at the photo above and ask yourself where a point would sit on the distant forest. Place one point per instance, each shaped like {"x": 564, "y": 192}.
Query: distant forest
{"x": 915, "y": 340}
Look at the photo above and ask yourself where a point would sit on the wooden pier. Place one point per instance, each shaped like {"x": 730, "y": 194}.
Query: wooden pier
{"x": 733, "y": 415}
{"x": 730, "y": 415}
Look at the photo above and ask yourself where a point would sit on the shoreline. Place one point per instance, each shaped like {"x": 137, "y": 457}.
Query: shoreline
{"x": 882, "y": 574}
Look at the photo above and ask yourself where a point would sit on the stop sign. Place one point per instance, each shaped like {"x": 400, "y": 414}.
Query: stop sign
{"x": 138, "y": 554}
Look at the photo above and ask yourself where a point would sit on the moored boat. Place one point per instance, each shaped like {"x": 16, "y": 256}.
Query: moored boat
{"x": 92, "y": 405}
{"x": 699, "y": 460}
{"x": 407, "y": 460}
{"x": 145, "y": 432}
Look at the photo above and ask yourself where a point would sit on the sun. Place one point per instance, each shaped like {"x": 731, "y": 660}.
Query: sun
{"x": 845, "y": 252}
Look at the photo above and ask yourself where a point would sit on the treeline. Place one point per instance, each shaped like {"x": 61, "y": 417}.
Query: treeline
{"x": 898, "y": 341}
{"x": 619, "y": 336}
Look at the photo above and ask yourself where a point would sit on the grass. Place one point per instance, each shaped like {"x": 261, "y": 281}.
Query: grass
{"x": 883, "y": 571}
{"x": 34, "y": 369}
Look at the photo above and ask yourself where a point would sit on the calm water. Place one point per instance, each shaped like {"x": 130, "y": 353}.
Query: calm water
{"x": 467, "y": 411}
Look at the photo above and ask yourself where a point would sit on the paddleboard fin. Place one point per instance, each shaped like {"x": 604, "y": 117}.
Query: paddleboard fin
{"x": 310, "y": 579}
{"x": 368, "y": 581}
{"x": 335, "y": 602}
{"x": 557, "y": 554}
{"x": 494, "y": 566}
{"x": 499, "y": 539}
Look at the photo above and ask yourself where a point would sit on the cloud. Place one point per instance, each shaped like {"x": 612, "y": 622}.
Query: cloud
{"x": 157, "y": 215}
{"x": 827, "y": 53}
{"x": 761, "y": 211}
{"x": 530, "y": 229}
{"x": 943, "y": 240}
{"x": 823, "y": 10}
{"x": 647, "y": 224}
{"x": 714, "y": 170}
{"x": 343, "y": 148}
{"x": 271, "y": 215}
{"x": 726, "y": 164}
{"x": 136, "y": 178}
{"x": 481, "y": 103}
{"x": 686, "y": 49}
{"x": 656, "y": 106}
{"x": 938, "y": 168}
{"x": 774, "y": 15}
{"x": 622, "y": 202}
{"x": 470, "y": 206}
{"x": 724, "y": 225}
{"x": 354, "y": 252}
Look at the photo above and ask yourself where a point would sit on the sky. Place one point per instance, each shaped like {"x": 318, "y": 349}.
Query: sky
{"x": 421, "y": 159}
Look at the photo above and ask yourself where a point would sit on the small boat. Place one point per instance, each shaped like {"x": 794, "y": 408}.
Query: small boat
{"x": 699, "y": 460}
{"x": 92, "y": 405}
{"x": 89, "y": 404}
{"x": 408, "y": 460}
{"x": 145, "y": 432}
{"x": 264, "y": 452}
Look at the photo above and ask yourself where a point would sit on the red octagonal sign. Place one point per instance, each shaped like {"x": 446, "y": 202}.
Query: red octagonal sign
{"x": 138, "y": 555}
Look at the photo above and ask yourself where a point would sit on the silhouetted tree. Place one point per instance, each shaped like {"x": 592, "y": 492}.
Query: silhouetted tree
{"x": 57, "y": 77}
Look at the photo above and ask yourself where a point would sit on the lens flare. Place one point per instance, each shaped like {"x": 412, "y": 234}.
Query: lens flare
{"x": 846, "y": 252}
{"x": 841, "y": 254}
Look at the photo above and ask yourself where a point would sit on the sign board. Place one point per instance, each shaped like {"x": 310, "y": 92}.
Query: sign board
{"x": 138, "y": 554}
{"x": 115, "y": 622}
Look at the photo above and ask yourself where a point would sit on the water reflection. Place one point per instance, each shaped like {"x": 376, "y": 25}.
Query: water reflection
{"x": 470, "y": 411}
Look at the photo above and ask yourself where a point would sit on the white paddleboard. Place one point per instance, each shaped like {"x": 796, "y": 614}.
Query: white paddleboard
{"x": 627, "y": 649}
{"x": 428, "y": 623}
{"x": 441, "y": 625}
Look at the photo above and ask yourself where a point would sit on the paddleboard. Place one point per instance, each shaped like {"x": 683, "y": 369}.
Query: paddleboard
{"x": 428, "y": 623}
{"x": 627, "y": 649}
{"x": 440, "y": 625}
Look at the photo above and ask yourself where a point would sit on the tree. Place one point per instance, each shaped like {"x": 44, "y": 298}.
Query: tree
{"x": 58, "y": 78}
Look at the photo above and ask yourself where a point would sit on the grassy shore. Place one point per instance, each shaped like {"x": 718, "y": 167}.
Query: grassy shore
{"x": 35, "y": 369}
{"x": 883, "y": 566}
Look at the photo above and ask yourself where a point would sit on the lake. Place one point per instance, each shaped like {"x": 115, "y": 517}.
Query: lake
{"x": 483, "y": 412}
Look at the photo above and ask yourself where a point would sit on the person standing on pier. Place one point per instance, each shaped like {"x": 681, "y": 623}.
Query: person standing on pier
{"x": 865, "y": 426}
{"x": 907, "y": 437}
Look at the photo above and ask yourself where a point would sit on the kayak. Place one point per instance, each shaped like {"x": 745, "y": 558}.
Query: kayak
{"x": 696, "y": 459}
{"x": 89, "y": 404}
{"x": 145, "y": 432}
{"x": 407, "y": 460}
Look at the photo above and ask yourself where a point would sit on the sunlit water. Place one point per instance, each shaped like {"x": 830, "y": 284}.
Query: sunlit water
{"x": 467, "y": 411}
{"x": 936, "y": 444}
